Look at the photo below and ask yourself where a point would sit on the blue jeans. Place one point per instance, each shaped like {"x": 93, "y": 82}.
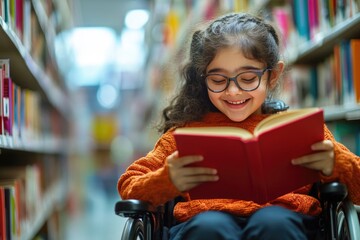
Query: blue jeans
{"x": 266, "y": 224}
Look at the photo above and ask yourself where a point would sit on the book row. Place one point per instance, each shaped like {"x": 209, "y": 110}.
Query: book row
{"x": 26, "y": 121}
{"x": 20, "y": 195}
{"x": 334, "y": 81}
{"x": 311, "y": 20}
{"x": 20, "y": 20}
{"x": 28, "y": 194}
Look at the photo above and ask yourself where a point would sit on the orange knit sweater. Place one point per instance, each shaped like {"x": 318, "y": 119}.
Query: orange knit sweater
{"x": 148, "y": 179}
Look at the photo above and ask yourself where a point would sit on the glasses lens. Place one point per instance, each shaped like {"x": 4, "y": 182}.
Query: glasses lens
{"x": 216, "y": 83}
{"x": 248, "y": 80}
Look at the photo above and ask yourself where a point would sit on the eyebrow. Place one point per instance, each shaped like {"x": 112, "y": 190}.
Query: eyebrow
{"x": 243, "y": 68}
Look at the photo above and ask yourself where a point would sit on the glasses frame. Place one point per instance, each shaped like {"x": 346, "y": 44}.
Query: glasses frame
{"x": 259, "y": 74}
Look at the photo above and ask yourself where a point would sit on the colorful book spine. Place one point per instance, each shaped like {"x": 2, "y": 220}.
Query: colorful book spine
{"x": 301, "y": 17}
{"x": 355, "y": 58}
{"x": 7, "y": 86}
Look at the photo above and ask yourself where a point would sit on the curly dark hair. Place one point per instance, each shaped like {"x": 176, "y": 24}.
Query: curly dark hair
{"x": 256, "y": 38}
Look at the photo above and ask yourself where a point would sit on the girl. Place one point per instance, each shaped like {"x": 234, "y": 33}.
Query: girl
{"x": 232, "y": 69}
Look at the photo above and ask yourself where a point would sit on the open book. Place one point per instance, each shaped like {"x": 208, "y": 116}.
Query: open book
{"x": 255, "y": 167}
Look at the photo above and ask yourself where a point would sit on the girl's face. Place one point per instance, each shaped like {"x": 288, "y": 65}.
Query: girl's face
{"x": 235, "y": 103}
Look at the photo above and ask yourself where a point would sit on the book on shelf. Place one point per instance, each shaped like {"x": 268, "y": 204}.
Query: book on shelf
{"x": 2, "y": 76}
{"x": 2, "y": 213}
{"x": 2, "y": 9}
{"x": 255, "y": 167}
{"x": 355, "y": 58}
{"x": 301, "y": 19}
{"x": 6, "y": 96}
{"x": 11, "y": 189}
{"x": 23, "y": 184}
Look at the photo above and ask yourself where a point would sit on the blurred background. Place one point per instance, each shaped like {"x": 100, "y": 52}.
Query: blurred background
{"x": 100, "y": 72}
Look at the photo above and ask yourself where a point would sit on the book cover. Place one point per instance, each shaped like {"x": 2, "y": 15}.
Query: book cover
{"x": 255, "y": 167}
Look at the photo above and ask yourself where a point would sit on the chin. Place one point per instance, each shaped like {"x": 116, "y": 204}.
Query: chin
{"x": 237, "y": 118}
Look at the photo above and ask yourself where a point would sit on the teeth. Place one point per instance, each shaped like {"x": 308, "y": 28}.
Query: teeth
{"x": 237, "y": 102}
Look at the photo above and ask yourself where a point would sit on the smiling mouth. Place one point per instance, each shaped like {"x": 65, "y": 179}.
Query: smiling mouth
{"x": 238, "y": 102}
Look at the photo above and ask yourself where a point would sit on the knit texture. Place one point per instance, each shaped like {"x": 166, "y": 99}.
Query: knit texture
{"x": 148, "y": 179}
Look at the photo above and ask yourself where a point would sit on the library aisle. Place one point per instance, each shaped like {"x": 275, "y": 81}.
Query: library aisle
{"x": 84, "y": 81}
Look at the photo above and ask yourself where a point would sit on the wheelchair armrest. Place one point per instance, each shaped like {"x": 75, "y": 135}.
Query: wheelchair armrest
{"x": 133, "y": 207}
{"x": 333, "y": 192}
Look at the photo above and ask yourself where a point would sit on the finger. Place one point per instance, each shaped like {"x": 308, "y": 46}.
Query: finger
{"x": 183, "y": 161}
{"x": 202, "y": 178}
{"x": 172, "y": 157}
{"x": 194, "y": 181}
{"x": 190, "y": 171}
{"x": 324, "y": 145}
{"x": 326, "y": 169}
{"x": 320, "y": 156}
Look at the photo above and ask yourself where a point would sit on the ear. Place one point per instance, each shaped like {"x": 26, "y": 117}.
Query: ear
{"x": 276, "y": 73}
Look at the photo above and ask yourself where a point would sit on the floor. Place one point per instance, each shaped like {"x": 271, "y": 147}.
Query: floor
{"x": 96, "y": 220}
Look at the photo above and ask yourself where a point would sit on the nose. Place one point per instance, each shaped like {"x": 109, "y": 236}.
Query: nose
{"x": 233, "y": 89}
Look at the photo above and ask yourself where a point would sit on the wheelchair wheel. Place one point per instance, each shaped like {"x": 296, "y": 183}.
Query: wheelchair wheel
{"x": 133, "y": 230}
{"x": 348, "y": 223}
{"x": 343, "y": 228}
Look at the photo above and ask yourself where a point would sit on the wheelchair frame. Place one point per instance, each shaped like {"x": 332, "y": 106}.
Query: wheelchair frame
{"x": 340, "y": 217}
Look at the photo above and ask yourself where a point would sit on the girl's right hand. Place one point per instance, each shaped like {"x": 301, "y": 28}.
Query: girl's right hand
{"x": 186, "y": 177}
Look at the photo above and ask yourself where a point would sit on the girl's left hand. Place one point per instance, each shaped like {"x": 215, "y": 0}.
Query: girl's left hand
{"x": 323, "y": 160}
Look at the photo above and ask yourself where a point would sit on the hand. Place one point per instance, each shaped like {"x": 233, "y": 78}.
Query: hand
{"x": 322, "y": 160}
{"x": 185, "y": 177}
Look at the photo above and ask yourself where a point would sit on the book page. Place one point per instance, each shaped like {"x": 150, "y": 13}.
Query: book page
{"x": 216, "y": 131}
{"x": 282, "y": 118}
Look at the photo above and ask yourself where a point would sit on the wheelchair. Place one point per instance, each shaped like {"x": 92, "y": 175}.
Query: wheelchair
{"x": 339, "y": 218}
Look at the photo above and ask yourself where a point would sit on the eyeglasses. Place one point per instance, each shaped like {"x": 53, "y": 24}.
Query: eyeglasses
{"x": 246, "y": 81}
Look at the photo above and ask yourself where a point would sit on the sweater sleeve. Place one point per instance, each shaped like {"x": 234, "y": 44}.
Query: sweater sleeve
{"x": 147, "y": 178}
{"x": 346, "y": 168}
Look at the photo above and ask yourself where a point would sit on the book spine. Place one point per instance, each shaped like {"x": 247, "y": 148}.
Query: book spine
{"x": 302, "y": 19}
{"x": 2, "y": 214}
{"x": 256, "y": 171}
{"x": 355, "y": 58}
{"x": 2, "y": 76}
{"x": 7, "y": 106}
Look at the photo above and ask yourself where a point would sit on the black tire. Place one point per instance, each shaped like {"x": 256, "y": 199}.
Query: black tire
{"x": 348, "y": 222}
{"x": 133, "y": 230}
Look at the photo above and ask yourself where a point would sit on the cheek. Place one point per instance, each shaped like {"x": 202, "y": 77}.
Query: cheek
{"x": 262, "y": 88}
{"x": 214, "y": 97}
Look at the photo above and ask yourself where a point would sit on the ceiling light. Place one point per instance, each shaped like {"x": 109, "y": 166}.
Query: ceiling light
{"x": 136, "y": 19}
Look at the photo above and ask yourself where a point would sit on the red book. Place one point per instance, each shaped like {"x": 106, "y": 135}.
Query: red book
{"x": 6, "y": 96}
{"x": 2, "y": 214}
{"x": 255, "y": 167}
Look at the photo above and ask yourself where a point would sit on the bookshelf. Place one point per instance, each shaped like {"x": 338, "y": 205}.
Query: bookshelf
{"x": 35, "y": 118}
{"x": 322, "y": 64}
{"x": 311, "y": 54}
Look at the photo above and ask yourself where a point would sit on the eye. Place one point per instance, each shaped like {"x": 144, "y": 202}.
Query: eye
{"x": 248, "y": 77}
{"x": 216, "y": 79}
